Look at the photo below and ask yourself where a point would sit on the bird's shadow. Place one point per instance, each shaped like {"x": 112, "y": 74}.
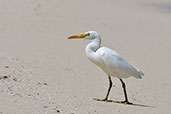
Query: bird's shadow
{"x": 120, "y": 102}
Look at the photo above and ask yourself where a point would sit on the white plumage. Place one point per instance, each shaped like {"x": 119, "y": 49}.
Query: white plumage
{"x": 112, "y": 63}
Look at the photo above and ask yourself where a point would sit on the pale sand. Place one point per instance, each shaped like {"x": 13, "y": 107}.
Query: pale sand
{"x": 47, "y": 74}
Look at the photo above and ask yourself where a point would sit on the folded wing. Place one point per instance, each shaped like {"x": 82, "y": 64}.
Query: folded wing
{"x": 117, "y": 65}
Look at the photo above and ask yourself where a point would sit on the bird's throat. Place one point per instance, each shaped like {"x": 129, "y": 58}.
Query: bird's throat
{"x": 92, "y": 47}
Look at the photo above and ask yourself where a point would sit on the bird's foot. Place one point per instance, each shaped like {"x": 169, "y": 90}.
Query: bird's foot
{"x": 125, "y": 102}
{"x": 120, "y": 102}
{"x": 105, "y": 100}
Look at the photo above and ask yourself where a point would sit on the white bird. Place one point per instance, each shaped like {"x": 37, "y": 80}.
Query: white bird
{"x": 110, "y": 61}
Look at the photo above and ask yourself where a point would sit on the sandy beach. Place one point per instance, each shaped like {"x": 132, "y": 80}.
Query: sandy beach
{"x": 41, "y": 72}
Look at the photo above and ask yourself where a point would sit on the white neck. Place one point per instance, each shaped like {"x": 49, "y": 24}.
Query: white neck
{"x": 92, "y": 47}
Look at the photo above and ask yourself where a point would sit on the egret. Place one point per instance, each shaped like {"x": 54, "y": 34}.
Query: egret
{"x": 111, "y": 62}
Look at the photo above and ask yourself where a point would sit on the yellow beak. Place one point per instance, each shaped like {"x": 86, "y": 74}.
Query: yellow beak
{"x": 79, "y": 36}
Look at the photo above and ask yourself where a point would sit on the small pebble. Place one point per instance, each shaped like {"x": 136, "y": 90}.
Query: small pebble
{"x": 15, "y": 79}
{"x": 45, "y": 106}
{"x": 5, "y": 76}
{"x": 45, "y": 84}
{"x": 58, "y": 111}
{"x": 6, "y": 66}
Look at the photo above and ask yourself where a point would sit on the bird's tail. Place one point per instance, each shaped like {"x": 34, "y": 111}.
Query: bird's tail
{"x": 141, "y": 74}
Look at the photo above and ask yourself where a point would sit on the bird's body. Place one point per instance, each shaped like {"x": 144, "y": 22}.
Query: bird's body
{"x": 112, "y": 63}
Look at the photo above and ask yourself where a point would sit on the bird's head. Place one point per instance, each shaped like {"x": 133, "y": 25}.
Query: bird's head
{"x": 87, "y": 35}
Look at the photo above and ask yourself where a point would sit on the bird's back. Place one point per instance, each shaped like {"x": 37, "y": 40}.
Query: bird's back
{"x": 116, "y": 65}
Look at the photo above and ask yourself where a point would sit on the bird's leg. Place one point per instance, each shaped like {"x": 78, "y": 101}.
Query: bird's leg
{"x": 110, "y": 86}
{"x": 124, "y": 88}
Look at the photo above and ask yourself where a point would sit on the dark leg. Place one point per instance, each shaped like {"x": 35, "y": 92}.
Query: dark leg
{"x": 124, "y": 88}
{"x": 110, "y": 86}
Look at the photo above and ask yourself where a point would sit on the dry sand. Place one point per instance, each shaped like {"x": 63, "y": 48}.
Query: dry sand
{"x": 41, "y": 72}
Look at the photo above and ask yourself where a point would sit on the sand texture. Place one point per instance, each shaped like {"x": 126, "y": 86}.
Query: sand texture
{"x": 41, "y": 72}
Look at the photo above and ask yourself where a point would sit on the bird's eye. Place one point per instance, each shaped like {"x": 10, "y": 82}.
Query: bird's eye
{"x": 88, "y": 34}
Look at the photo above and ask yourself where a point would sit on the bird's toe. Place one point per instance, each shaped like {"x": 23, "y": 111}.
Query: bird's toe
{"x": 105, "y": 100}
{"x": 126, "y": 102}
